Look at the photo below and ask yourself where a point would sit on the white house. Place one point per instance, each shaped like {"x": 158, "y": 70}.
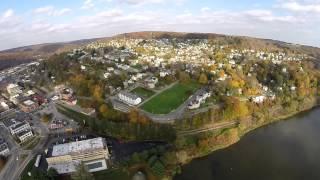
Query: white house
{"x": 83, "y": 67}
{"x": 200, "y": 99}
{"x": 195, "y": 104}
{"x": 164, "y": 73}
{"x": 151, "y": 82}
{"x": 258, "y": 99}
{"x": 106, "y": 75}
{"x": 129, "y": 98}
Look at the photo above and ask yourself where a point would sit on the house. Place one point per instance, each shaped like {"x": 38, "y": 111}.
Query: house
{"x": 258, "y": 99}
{"x": 24, "y": 135}
{"x": 83, "y": 67}
{"x": 28, "y": 106}
{"x": 67, "y": 95}
{"x": 200, "y": 98}
{"x": 110, "y": 69}
{"x": 195, "y": 104}
{"x": 129, "y": 98}
{"x": 164, "y": 73}
{"x": 6, "y": 111}
{"x": 106, "y": 75}
{"x": 151, "y": 82}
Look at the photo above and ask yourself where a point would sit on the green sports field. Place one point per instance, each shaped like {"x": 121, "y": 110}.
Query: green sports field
{"x": 170, "y": 99}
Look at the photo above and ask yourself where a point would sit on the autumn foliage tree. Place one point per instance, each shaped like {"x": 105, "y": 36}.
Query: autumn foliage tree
{"x": 184, "y": 77}
{"x": 203, "y": 79}
{"x": 103, "y": 110}
{"x": 135, "y": 116}
{"x": 234, "y": 108}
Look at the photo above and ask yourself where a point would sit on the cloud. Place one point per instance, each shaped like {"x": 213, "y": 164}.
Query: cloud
{"x": 140, "y": 2}
{"x": 265, "y": 23}
{"x": 88, "y": 4}
{"x": 8, "y": 13}
{"x": 52, "y": 11}
{"x": 268, "y": 16}
{"x": 205, "y": 9}
{"x": 301, "y": 7}
{"x": 145, "y": 2}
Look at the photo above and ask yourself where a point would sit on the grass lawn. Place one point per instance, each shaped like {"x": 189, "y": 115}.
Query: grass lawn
{"x": 171, "y": 98}
{"x": 143, "y": 92}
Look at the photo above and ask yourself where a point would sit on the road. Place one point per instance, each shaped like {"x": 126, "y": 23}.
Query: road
{"x": 16, "y": 164}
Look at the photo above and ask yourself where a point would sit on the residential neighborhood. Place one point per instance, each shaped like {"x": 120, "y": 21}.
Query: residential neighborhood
{"x": 74, "y": 109}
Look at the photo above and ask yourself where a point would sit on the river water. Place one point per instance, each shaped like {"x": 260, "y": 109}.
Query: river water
{"x": 286, "y": 150}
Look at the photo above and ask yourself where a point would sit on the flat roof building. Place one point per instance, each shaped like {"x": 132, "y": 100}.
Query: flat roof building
{"x": 92, "y": 152}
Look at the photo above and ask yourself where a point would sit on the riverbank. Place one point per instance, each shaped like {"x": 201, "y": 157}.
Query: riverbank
{"x": 282, "y": 150}
{"x": 227, "y": 137}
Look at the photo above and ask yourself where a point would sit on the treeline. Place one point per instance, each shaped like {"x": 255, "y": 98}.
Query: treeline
{"x": 123, "y": 129}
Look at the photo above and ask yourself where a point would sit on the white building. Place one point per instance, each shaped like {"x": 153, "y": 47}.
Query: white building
{"x": 24, "y": 135}
{"x": 129, "y": 98}
{"x": 195, "y": 104}
{"x": 65, "y": 157}
{"x": 19, "y": 127}
{"x": 258, "y": 99}
{"x": 151, "y": 82}
{"x": 14, "y": 89}
{"x": 4, "y": 149}
{"x": 199, "y": 99}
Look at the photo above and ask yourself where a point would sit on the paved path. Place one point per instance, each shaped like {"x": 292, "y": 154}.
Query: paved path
{"x": 214, "y": 127}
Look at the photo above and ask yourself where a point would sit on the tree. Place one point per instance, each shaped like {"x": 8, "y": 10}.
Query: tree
{"x": 203, "y": 79}
{"x": 133, "y": 116}
{"x": 46, "y": 118}
{"x": 234, "y": 108}
{"x": 52, "y": 173}
{"x": 97, "y": 92}
{"x": 82, "y": 173}
{"x": 184, "y": 77}
{"x": 103, "y": 109}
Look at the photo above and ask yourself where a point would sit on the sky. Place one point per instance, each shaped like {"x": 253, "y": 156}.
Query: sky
{"x": 26, "y": 22}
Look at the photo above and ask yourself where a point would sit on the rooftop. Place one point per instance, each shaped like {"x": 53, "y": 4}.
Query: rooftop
{"x": 78, "y": 146}
{"x": 28, "y": 102}
{"x": 20, "y": 134}
{"x": 129, "y": 95}
{"x": 18, "y": 125}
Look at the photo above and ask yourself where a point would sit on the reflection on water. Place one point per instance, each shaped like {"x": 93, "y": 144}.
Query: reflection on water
{"x": 287, "y": 150}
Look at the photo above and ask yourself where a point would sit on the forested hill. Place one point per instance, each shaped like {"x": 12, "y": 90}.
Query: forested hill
{"x": 15, "y": 56}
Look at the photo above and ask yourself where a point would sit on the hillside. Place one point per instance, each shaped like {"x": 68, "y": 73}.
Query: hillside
{"x": 15, "y": 56}
{"x": 24, "y": 54}
{"x": 240, "y": 41}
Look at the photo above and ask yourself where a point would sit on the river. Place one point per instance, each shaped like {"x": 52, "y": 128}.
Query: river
{"x": 286, "y": 150}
